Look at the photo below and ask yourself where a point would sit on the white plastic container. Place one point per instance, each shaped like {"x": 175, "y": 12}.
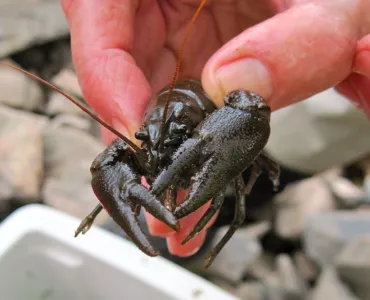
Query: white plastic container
{"x": 41, "y": 260}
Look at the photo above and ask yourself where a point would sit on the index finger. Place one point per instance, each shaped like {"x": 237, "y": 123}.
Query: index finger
{"x": 102, "y": 34}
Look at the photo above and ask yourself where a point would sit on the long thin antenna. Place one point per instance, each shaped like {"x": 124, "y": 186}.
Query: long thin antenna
{"x": 176, "y": 74}
{"x": 82, "y": 107}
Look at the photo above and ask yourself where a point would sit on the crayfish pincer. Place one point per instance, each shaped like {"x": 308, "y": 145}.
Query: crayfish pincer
{"x": 222, "y": 146}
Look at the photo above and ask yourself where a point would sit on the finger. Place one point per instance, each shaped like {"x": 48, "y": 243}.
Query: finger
{"x": 174, "y": 239}
{"x": 283, "y": 58}
{"x": 357, "y": 88}
{"x": 102, "y": 34}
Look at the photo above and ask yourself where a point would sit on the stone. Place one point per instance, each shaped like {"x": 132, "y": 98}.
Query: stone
{"x": 236, "y": 257}
{"x": 330, "y": 286}
{"x": 291, "y": 282}
{"x": 73, "y": 197}
{"x": 223, "y": 284}
{"x": 251, "y": 290}
{"x": 72, "y": 121}
{"x": 326, "y": 233}
{"x": 367, "y": 188}
{"x": 297, "y": 202}
{"x": 21, "y": 154}
{"x": 69, "y": 153}
{"x": 273, "y": 289}
{"x": 306, "y": 267}
{"x": 19, "y": 90}
{"x": 262, "y": 267}
{"x": 58, "y": 104}
{"x": 353, "y": 265}
{"x": 25, "y": 23}
{"x": 67, "y": 81}
{"x": 346, "y": 193}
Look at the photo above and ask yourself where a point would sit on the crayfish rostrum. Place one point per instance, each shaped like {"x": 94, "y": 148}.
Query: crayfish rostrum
{"x": 187, "y": 143}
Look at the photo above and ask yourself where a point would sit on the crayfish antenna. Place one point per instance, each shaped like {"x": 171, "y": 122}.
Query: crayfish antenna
{"x": 77, "y": 103}
{"x": 177, "y": 71}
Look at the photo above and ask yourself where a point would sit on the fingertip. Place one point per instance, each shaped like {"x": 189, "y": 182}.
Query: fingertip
{"x": 190, "y": 248}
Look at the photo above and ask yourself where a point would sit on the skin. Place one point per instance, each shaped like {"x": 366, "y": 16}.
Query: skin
{"x": 124, "y": 51}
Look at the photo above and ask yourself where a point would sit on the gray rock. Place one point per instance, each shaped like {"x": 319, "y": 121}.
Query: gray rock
{"x": 25, "y": 23}
{"x": 262, "y": 267}
{"x": 21, "y": 154}
{"x": 306, "y": 267}
{"x": 236, "y": 257}
{"x": 221, "y": 283}
{"x": 19, "y": 90}
{"x": 273, "y": 288}
{"x": 346, "y": 193}
{"x": 327, "y": 233}
{"x": 367, "y": 188}
{"x": 69, "y": 153}
{"x": 251, "y": 290}
{"x": 353, "y": 265}
{"x": 58, "y": 104}
{"x": 297, "y": 202}
{"x": 330, "y": 286}
{"x": 72, "y": 121}
{"x": 73, "y": 197}
{"x": 291, "y": 282}
{"x": 67, "y": 81}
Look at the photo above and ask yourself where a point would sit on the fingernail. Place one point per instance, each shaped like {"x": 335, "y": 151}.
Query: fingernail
{"x": 247, "y": 73}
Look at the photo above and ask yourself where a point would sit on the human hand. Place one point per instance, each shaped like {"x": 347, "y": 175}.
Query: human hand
{"x": 124, "y": 52}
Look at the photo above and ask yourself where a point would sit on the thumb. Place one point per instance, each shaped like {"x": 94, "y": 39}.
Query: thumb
{"x": 289, "y": 57}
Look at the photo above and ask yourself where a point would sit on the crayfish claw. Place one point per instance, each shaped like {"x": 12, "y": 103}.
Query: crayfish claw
{"x": 152, "y": 205}
{"x": 182, "y": 161}
{"x": 207, "y": 184}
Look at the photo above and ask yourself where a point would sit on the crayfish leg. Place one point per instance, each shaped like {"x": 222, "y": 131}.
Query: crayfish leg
{"x": 211, "y": 211}
{"x": 86, "y": 223}
{"x": 263, "y": 162}
{"x": 239, "y": 218}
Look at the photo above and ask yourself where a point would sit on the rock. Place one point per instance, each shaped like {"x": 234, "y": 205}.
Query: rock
{"x": 297, "y": 202}
{"x": 19, "y": 90}
{"x": 72, "y": 121}
{"x": 273, "y": 289}
{"x": 25, "y": 23}
{"x": 70, "y": 162}
{"x": 67, "y": 81}
{"x": 291, "y": 282}
{"x": 236, "y": 257}
{"x": 330, "y": 286}
{"x": 21, "y": 154}
{"x": 221, "y": 283}
{"x": 69, "y": 153}
{"x": 58, "y": 104}
{"x": 353, "y": 265}
{"x": 306, "y": 267}
{"x": 262, "y": 267}
{"x": 73, "y": 197}
{"x": 346, "y": 193}
{"x": 326, "y": 233}
{"x": 251, "y": 290}
{"x": 367, "y": 188}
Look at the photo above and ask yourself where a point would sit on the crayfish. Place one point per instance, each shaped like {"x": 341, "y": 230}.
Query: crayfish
{"x": 186, "y": 143}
